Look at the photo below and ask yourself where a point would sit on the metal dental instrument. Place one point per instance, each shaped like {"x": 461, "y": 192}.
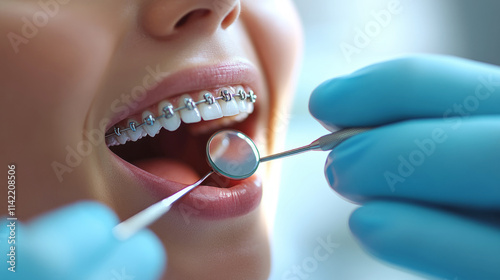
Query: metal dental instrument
{"x": 146, "y": 217}
{"x": 234, "y": 155}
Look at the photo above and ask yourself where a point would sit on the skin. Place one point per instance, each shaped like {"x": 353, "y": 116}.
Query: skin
{"x": 60, "y": 81}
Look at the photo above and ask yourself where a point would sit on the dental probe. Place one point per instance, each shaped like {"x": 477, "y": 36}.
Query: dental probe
{"x": 146, "y": 217}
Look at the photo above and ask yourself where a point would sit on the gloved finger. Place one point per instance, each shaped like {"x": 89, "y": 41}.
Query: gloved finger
{"x": 75, "y": 235}
{"x": 140, "y": 257}
{"x": 428, "y": 240}
{"x": 408, "y": 88}
{"x": 80, "y": 238}
{"x": 432, "y": 160}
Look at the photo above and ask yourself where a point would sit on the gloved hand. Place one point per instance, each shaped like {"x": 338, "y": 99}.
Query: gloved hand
{"x": 76, "y": 242}
{"x": 429, "y": 173}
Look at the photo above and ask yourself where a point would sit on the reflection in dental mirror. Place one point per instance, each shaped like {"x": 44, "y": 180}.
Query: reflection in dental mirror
{"x": 232, "y": 154}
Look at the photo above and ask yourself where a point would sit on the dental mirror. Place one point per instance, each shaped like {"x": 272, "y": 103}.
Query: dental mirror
{"x": 234, "y": 155}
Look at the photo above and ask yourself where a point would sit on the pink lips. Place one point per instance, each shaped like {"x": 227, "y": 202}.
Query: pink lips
{"x": 207, "y": 202}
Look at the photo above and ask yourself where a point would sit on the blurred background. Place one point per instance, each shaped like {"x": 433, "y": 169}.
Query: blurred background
{"x": 309, "y": 212}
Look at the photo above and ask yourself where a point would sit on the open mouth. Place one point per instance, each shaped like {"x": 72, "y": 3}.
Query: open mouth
{"x": 164, "y": 145}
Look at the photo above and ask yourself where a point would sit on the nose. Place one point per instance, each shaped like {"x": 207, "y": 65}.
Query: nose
{"x": 164, "y": 18}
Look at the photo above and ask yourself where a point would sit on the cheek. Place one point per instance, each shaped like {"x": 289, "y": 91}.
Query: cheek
{"x": 51, "y": 71}
{"x": 49, "y": 75}
{"x": 276, "y": 32}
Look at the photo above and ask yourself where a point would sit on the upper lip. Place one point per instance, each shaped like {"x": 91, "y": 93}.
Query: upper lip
{"x": 197, "y": 78}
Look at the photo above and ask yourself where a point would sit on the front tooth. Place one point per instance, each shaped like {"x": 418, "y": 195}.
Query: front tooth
{"x": 210, "y": 109}
{"x": 228, "y": 103}
{"x": 153, "y": 127}
{"x": 172, "y": 120}
{"x": 242, "y": 103}
{"x": 137, "y": 134}
{"x": 190, "y": 114}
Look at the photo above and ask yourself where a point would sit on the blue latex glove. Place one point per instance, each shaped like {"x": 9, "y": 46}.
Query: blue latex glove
{"x": 429, "y": 176}
{"x": 76, "y": 242}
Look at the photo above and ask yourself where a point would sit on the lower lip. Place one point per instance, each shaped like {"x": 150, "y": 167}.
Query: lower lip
{"x": 204, "y": 202}
{"x": 214, "y": 203}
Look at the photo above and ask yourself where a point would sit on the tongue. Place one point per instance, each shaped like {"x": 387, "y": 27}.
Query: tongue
{"x": 169, "y": 169}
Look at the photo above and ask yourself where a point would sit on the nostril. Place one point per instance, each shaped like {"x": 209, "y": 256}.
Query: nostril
{"x": 230, "y": 18}
{"x": 193, "y": 15}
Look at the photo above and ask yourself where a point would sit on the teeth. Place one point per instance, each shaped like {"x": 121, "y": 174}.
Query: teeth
{"x": 211, "y": 109}
{"x": 111, "y": 141}
{"x": 123, "y": 138}
{"x": 151, "y": 126}
{"x": 228, "y": 104}
{"x": 172, "y": 121}
{"x": 241, "y": 117}
{"x": 242, "y": 103}
{"x": 227, "y": 101}
{"x": 249, "y": 107}
{"x": 138, "y": 133}
{"x": 191, "y": 113}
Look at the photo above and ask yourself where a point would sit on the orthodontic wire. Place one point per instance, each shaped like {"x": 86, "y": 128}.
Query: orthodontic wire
{"x": 169, "y": 111}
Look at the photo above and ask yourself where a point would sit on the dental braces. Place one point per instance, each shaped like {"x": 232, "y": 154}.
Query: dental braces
{"x": 189, "y": 104}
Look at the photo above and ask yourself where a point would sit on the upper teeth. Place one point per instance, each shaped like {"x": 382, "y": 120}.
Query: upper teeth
{"x": 190, "y": 114}
{"x": 209, "y": 110}
{"x": 229, "y": 101}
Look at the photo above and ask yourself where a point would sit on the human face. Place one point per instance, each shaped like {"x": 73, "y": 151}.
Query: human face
{"x": 73, "y": 70}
